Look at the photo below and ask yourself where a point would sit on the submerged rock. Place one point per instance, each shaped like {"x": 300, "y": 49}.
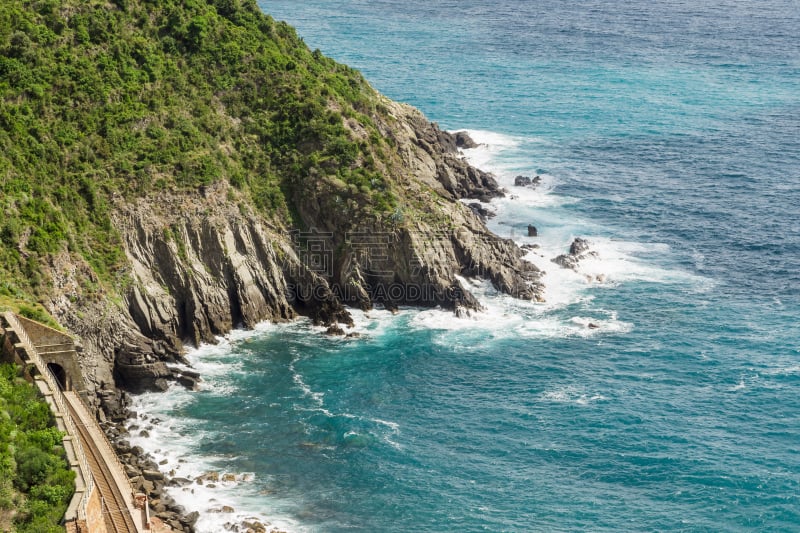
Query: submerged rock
{"x": 527, "y": 181}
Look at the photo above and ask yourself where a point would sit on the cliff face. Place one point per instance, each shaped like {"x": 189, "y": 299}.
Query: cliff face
{"x": 172, "y": 170}
{"x": 202, "y": 263}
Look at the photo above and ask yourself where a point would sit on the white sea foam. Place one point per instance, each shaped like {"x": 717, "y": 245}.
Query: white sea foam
{"x": 318, "y": 397}
{"x": 613, "y": 260}
{"x": 571, "y": 394}
{"x": 609, "y": 263}
{"x": 739, "y": 386}
{"x": 502, "y": 156}
{"x": 376, "y": 322}
{"x": 173, "y": 439}
{"x": 491, "y": 145}
{"x": 503, "y": 316}
{"x": 392, "y": 429}
{"x": 783, "y": 370}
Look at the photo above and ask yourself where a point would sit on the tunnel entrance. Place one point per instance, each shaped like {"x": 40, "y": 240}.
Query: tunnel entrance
{"x": 60, "y": 374}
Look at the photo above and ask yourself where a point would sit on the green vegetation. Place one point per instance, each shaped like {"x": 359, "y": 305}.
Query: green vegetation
{"x": 11, "y": 299}
{"x": 35, "y": 481}
{"x": 101, "y": 101}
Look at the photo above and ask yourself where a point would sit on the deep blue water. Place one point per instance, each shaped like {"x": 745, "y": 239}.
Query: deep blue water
{"x": 668, "y": 134}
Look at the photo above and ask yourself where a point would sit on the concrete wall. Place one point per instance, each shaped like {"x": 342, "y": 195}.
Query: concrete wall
{"x": 58, "y": 348}
{"x": 15, "y": 353}
{"x": 7, "y": 352}
{"x": 94, "y": 514}
{"x": 41, "y": 334}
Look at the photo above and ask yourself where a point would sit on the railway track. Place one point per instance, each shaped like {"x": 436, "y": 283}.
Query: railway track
{"x": 114, "y": 505}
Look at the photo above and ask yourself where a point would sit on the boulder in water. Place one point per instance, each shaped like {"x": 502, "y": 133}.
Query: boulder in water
{"x": 464, "y": 141}
{"x": 578, "y": 250}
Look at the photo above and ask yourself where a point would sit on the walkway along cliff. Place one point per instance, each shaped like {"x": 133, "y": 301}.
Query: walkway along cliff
{"x": 104, "y": 500}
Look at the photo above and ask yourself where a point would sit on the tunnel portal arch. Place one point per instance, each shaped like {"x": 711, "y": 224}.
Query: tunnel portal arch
{"x": 61, "y": 376}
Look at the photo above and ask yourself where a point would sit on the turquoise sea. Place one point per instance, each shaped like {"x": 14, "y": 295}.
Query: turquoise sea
{"x": 667, "y": 133}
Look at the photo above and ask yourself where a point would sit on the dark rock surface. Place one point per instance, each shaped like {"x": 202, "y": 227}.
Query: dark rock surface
{"x": 480, "y": 210}
{"x": 527, "y": 181}
{"x": 578, "y": 250}
{"x": 464, "y": 141}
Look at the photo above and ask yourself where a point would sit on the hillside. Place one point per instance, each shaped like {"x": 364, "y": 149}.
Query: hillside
{"x": 136, "y": 98}
{"x": 170, "y": 170}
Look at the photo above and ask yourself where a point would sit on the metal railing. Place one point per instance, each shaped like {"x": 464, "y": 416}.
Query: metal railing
{"x": 109, "y": 449}
{"x": 59, "y": 400}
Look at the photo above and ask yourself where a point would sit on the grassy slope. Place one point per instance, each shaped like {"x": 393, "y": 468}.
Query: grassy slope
{"x": 102, "y": 100}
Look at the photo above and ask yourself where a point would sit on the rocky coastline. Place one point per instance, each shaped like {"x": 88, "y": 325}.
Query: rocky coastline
{"x": 207, "y": 193}
{"x": 202, "y": 264}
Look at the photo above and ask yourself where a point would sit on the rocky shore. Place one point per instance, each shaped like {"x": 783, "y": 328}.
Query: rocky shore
{"x": 209, "y": 192}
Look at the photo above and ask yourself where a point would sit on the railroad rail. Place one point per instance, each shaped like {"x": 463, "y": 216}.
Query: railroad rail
{"x": 114, "y": 504}
{"x": 93, "y": 450}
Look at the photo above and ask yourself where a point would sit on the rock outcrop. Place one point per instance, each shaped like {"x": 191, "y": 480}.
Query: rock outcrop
{"x": 432, "y": 156}
{"x": 527, "y": 181}
{"x": 578, "y": 250}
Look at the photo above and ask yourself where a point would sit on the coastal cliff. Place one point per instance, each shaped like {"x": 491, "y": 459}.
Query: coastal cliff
{"x": 173, "y": 171}
{"x": 200, "y": 263}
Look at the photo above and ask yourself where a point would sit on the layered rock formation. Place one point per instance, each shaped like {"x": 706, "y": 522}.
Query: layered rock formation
{"x": 203, "y": 263}
{"x": 213, "y": 172}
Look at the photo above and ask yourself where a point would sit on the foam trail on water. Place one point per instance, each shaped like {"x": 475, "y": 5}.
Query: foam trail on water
{"x": 504, "y": 316}
{"x": 571, "y": 394}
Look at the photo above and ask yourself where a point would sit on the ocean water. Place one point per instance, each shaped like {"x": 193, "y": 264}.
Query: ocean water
{"x": 667, "y": 133}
